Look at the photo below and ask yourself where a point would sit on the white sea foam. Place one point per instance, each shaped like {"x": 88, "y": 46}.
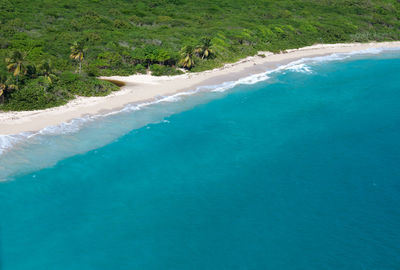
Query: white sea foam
{"x": 68, "y": 127}
{"x": 253, "y": 79}
{"x": 8, "y": 141}
{"x": 302, "y": 65}
{"x": 302, "y": 68}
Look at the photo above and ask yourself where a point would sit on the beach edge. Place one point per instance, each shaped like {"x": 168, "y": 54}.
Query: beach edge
{"x": 143, "y": 88}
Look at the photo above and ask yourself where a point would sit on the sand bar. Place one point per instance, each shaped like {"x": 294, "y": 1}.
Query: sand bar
{"x": 141, "y": 88}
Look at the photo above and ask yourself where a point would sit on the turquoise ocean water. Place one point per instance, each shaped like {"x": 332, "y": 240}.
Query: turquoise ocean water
{"x": 300, "y": 170}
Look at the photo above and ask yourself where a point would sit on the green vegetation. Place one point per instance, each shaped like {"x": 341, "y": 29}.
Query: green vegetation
{"x": 77, "y": 53}
{"x": 52, "y": 50}
{"x": 187, "y": 57}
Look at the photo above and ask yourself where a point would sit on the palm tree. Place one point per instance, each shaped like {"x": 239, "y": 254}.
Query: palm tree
{"x": 77, "y": 53}
{"x": 187, "y": 54}
{"x": 46, "y": 71}
{"x": 16, "y": 64}
{"x": 204, "y": 50}
{"x": 5, "y": 86}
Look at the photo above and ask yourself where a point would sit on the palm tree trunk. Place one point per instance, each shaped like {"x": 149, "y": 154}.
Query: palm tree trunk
{"x": 80, "y": 67}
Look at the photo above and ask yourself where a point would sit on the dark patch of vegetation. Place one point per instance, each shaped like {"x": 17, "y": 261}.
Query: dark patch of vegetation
{"x": 53, "y": 50}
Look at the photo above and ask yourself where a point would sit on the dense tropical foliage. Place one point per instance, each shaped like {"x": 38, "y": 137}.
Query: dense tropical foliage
{"x": 53, "y": 50}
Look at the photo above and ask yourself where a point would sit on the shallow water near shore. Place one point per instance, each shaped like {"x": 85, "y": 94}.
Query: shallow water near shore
{"x": 300, "y": 171}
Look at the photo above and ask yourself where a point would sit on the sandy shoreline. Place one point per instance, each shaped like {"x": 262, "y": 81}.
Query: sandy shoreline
{"x": 145, "y": 87}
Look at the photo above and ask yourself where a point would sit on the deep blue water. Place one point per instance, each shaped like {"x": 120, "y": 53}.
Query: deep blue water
{"x": 301, "y": 171}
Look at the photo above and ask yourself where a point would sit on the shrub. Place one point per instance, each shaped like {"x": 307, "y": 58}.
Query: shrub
{"x": 120, "y": 24}
{"x": 140, "y": 68}
{"x": 69, "y": 77}
{"x": 35, "y": 95}
{"x": 82, "y": 85}
{"x": 89, "y": 86}
{"x": 91, "y": 70}
{"x": 159, "y": 70}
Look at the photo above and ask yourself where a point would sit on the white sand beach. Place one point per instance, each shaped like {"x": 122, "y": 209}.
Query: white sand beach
{"x": 141, "y": 88}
